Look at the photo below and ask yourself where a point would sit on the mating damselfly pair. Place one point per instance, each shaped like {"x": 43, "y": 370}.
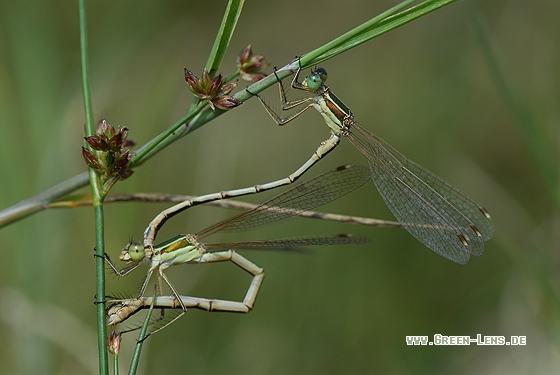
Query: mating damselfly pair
{"x": 437, "y": 214}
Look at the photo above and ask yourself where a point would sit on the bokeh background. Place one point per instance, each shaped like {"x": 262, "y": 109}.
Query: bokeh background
{"x": 425, "y": 87}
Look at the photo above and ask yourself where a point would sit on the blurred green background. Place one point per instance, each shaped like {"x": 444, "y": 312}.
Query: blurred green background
{"x": 426, "y": 88}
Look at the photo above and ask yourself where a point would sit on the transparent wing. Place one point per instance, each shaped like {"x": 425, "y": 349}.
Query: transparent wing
{"x": 290, "y": 243}
{"x": 306, "y": 196}
{"x": 437, "y": 214}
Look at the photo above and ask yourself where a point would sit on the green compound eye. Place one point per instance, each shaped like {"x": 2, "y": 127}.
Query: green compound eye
{"x": 136, "y": 251}
{"x": 313, "y": 81}
{"x": 316, "y": 78}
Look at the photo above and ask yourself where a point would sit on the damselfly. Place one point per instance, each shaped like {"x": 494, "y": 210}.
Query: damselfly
{"x": 187, "y": 248}
{"x": 156, "y": 224}
{"x": 437, "y": 214}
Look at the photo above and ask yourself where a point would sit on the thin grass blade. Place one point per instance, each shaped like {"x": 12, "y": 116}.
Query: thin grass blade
{"x": 538, "y": 142}
{"x": 227, "y": 27}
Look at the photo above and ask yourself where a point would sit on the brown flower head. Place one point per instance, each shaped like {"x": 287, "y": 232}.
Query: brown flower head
{"x": 110, "y": 156}
{"x": 215, "y": 91}
{"x": 250, "y": 66}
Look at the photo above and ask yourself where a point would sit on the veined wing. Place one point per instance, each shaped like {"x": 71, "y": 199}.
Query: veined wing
{"x": 306, "y": 196}
{"x": 437, "y": 214}
{"x": 290, "y": 243}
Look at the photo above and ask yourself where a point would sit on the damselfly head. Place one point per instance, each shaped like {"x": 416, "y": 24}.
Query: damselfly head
{"x": 315, "y": 79}
{"x": 134, "y": 252}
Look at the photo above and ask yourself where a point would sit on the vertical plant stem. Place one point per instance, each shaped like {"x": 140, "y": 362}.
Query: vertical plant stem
{"x": 100, "y": 288}
{"x": 97, "y": 199}
{"x": 141, "y": 338}
{"x": 90, "y": 127}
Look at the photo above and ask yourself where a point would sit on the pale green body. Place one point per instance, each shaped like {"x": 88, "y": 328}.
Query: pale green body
{"x": 177, "y": 250}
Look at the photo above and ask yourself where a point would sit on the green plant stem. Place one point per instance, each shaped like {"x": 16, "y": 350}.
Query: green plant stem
{"x": 90, "y": 125}
{"x": 100, "y": 288}
{"x": 97, "y": 198}
{"x": 39, "y": 201}
{"x": 155, "y": 145}
{"x": 141, "y": 338}
{"x": 373, "y": 28}
{"x": 336, "y": 46}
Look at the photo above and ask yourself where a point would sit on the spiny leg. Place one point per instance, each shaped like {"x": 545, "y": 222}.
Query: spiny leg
{"x": 296, "y": 84}
{"x": 284, "y": 120}
{"x": 177, "y": 298}
{"x": 286, "y": 105}
{"x": 145, "y": 283}
{"x": 120, "y": 272}
{"x": 123, "y": 309}
{"x": 120, "y": 310}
